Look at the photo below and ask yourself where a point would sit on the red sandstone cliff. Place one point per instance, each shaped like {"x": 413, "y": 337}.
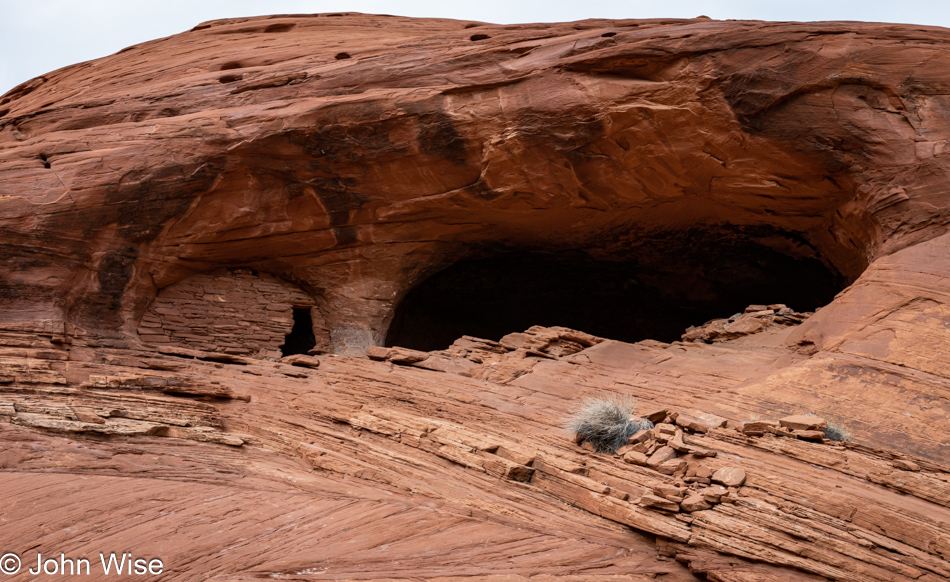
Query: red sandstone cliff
{"x": 165, "y": 213}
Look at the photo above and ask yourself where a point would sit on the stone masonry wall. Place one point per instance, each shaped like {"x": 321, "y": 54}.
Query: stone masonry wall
{"x": 233, "y": 311}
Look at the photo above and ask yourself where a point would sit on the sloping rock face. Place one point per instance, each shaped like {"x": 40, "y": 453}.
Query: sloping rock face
{"x": 453, "y": 465}
{"x": 327, "y": 171}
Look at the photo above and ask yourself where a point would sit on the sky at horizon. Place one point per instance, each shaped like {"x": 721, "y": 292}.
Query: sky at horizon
{"x": 36, "y": 38}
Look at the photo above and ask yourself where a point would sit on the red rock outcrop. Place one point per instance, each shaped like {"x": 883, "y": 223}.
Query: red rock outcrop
{"x": 333, "y": 164}
{"x": 254, "y": 143}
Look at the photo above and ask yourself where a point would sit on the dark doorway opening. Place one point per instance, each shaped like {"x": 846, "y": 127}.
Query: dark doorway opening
{"x": 655, "y": 291}
{"x": 300, "y": 340}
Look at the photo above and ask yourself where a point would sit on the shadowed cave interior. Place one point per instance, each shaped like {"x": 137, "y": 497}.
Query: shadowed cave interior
{"x": 301, "y": 339}
{"x": 654, "y": 291}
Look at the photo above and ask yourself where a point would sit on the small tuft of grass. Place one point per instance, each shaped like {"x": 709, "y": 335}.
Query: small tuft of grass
{"x": 606, "y": 423}
{"x": 836, "y": 432}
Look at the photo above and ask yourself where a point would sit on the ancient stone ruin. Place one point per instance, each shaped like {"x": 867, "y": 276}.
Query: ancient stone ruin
{"x": 311, "y": 297}
{"x": 235, "y": 312}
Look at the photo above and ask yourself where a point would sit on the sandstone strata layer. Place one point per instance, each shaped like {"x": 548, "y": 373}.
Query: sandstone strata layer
{"x": 453, "y": 465}
{"x": 331, "y": 163}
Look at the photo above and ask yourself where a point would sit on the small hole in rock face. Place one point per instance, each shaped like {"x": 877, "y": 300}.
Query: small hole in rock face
{"x": 284, "y": 27}
{"x": 609, "y": 34}
{"x": 475, "y": 37}
{"x": 46, "y": 163}
{"x": 300, "y": 340}
{"x": 230, "y": 78}
{"x": 230, "y": 65}
{"x": 4, "y": 112}
{"x": 470, "y": 25}
{"x": 341, "y": 56}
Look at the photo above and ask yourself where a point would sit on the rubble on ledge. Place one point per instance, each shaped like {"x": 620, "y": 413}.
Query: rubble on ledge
{"x": 755, "y": 319}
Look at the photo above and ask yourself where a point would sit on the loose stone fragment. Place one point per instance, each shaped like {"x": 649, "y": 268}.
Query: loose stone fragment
{"x": 695, "y": 469}
{"x": 664, "y": 432}
{"x": 781, "y": 431}
{"x": 714, "y": 494}
{"x": 659, "y": 503}
{"x": 668, "y": 491}
{"x": 692, "y": 423}
{"x": 672, "y": 467}
{"x": 758, "y": 427}
{"x": 661, "y": 456}
{"x": 635, "y": 458}
{"x": 677, "y": 443}
{"x": 730, "y": 497}
{"x": 695, "y": 502}
{"x": 377, "y": 353}
{"x": 809, "y": 435}
{"x": 654, "y": 415}
{"x": 729, "y": 476}
{"x": 700, "y": 451}
{"x": 406, "y": 356}
{"x": 641, "y": 447}
{"x": 640, "y": 436}
{"x": 623, "y": 450}
{"x": 301, "y": 360}
{"x": 802, "y": 422}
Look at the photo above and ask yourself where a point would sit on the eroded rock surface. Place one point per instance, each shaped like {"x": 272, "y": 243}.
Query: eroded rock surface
{"x": 398, "y": 468}
{"x": 331, "y": 164}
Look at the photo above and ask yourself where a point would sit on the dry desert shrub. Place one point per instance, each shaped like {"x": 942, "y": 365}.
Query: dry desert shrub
{"x": 606, "y": 423}
{"x": 836, "y": 432}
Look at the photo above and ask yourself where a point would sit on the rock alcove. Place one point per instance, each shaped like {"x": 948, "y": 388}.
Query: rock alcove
{"x": 653, "y": 291}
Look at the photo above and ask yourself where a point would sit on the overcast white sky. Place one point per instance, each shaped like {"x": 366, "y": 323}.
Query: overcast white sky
{"x": 40, "y": 36}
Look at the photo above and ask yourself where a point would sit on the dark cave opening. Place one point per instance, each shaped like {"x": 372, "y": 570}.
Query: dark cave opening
{"x": 300, "y": 340}
{"x": 654, "y": 291}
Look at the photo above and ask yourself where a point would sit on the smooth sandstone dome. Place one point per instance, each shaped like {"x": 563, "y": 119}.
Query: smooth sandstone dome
{"x": 179, "y": 216}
